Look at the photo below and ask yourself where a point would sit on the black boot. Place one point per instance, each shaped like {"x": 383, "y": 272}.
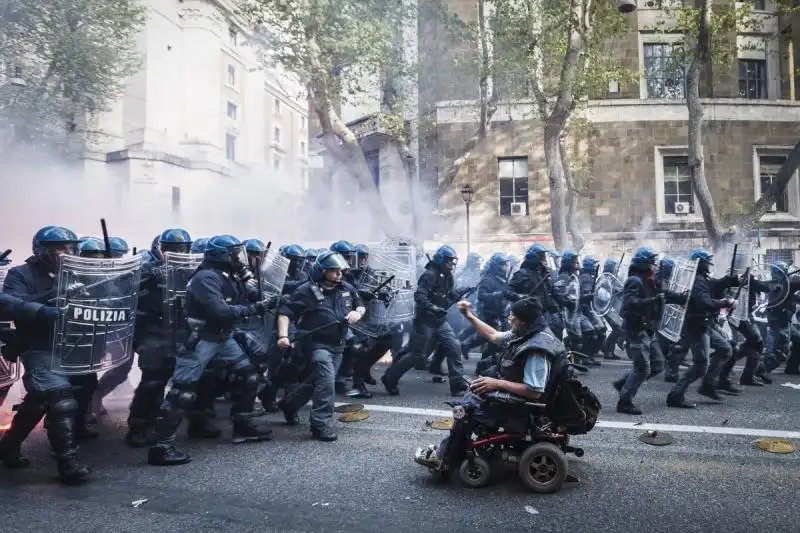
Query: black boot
{"x": 628, "y": 408}
{"x": 144, "y": 410}
{"x": 163, "y": 452}
{"x": 708, "y": 391}
{"x": 28, "y": 414}
{"x": 246, "y": 427}
{"x": 727, "y": 387}
{"x": 202, "y": 428}
{"x": 289, "y": 414}
{"x": 60, "y": 425}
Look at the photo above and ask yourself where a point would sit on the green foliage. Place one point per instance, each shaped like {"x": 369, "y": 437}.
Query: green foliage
{"x": 342, "y": 42}
{"x": 534, "y": 36}
{"x": 74, "y": 56}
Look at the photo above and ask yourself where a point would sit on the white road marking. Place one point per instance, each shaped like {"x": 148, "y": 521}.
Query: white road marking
{"x": 611, "y": 424}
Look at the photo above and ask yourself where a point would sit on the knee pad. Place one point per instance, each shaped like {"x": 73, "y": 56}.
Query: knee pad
{"x": 183, "y": 398}
{"x": 63, "y": 408}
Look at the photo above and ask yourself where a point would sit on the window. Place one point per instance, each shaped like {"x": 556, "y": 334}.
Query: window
{"x": 768, "y": 167}
{"x": 302, "y": 123}
{"x": 779, "y": 254}
{"x": 663, "y": 70}
{"x": 678, "y": 193}
{"x": 304, "y": 178}
{"x": 276, "y": 164}
{"x": 512, "y": 173}
{"x": 276, "y": 106}
{"x": 276, "y": 135}
{"x": 661, "y": 4}
{"x": 230, "y": 147}
{"x": 753, "y": 79}
{"x": 302, "y": 148}
{"x": 231, "y": 76}
{"x": 233, "y": 36}
{"x": 759, "y": 5}
{"x": 233, "y": 111}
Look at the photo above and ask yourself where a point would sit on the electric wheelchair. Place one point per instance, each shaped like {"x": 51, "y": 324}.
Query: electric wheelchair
{"x": 534, "y": 436}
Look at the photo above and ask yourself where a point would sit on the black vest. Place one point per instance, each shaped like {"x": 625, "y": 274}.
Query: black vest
{"x": 511, "y": 366}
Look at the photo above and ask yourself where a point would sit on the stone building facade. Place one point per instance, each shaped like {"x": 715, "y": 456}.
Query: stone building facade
{"x": 631, "y": 152}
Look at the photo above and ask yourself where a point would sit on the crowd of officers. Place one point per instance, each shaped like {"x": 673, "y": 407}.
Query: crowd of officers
{"x": 315, "y": 348}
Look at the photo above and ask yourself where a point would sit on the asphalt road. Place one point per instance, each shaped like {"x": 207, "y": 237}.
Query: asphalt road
{"x": 711, "y": 478}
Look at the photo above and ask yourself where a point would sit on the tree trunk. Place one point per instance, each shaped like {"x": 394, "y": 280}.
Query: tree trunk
{"x": 488, "y": 106}
{"x": 343, "y": 145}
{"x": 695, "y": 108}
{"x": 571, "y": 199}
{"x": 555, "y": 174}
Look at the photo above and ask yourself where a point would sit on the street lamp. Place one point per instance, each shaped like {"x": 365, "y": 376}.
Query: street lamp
{"x": 467, "y": 192}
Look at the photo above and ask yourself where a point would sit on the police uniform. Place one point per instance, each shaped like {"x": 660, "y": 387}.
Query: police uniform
{"x": 315, "y": 307}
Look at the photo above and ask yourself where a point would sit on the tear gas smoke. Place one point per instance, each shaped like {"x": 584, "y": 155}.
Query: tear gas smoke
{"x": 136, "y": 198}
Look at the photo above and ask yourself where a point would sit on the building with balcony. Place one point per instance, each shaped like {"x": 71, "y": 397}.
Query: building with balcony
{"x": 633, "y": 154}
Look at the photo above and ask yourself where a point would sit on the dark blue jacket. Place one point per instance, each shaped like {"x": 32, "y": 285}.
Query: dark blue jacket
{"x": 32, "y": 282}
{"x": 312, "y": 306}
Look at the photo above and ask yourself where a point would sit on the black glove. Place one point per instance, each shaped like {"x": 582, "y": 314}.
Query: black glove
{"x": 257, "y": 309}
{"x": 48, "y": 314}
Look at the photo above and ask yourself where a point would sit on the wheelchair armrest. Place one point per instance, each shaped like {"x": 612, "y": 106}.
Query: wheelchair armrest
{"x": 513, "y": 399}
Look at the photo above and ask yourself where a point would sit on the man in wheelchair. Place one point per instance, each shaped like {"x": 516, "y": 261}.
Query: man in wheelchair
{"x": 531, "y": 394}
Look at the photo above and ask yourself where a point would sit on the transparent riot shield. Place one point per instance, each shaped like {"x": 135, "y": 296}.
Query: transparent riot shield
{"x": 607, "y": 293}
{"x": 673, "y": 315}
{"x": 9, "y": 372}
{"x": 98, "y": 299}
{"x": 178, "y": 268}
{"x": 778, "y": 285}
{"x": 391, "y": 279}
{"x": 271, "y": 277}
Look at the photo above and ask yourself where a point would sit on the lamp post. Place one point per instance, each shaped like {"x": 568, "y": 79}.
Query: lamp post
{"x": 467, "y": 192}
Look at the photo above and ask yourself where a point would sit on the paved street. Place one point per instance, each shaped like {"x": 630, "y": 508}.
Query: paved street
{"x": 711, "y": 478}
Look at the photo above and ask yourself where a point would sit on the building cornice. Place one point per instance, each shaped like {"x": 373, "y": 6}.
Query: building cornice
{"x": 632, "y": 110}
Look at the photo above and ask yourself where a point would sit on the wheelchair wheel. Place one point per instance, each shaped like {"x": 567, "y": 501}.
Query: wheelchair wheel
{"x": 475, "y": 475}
{"x": 543, "y": 468}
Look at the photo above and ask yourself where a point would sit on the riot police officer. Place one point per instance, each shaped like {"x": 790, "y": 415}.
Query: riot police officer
{"x": 700, "y": 312}
{"x": 535, "y": 279}
{"x": 48, "y": 394}
{"x": 199, "y": 245}
{"x": 213, "y": 319}
{"x": 156, "y": 357}
{"x": 615, "y": 335}
{"x": 642, "y": 303}
{"x": 435, "y": 294}
{"x": 592, "y": 327}
{"x": 492, "y": 303}
{"x": 323, "y": 309}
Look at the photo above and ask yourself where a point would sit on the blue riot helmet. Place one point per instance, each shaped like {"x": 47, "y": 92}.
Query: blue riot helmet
{"x": 536, "y": 254}
{"x": 497, "y": 265}
{"x": 362, "y": 255}
{"x": 329, "y": 262}
{"x": 256, "y": 250}
{"x": 347, "y": 251}
{"x": 589, "y": 263}
{"x": 175, "y": 240}
{"x": 226, "y": 250}
{"x": 704, "y": 258}
{"x": 155, "y": 250}
{"x": 569, "y": 261}
{"x": 445, "y": 258}
{"x": 610, "y": 266}
{"x": 254, "y": 246}
{"x": 199, "y": 245}
{"x": 92, "y": 247}
{"x": 296, "y": 256}
{"x": 473, "y": 261}
{"x": 311, "y": 255}
{"x": 119, "y": 247}
{"x": 5, "y": 261}
{"x": 644, "y": 260}
{"x": 665, "y": 267}
{"x": 51, "y": 242}
{"x": 778, "y": 268}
